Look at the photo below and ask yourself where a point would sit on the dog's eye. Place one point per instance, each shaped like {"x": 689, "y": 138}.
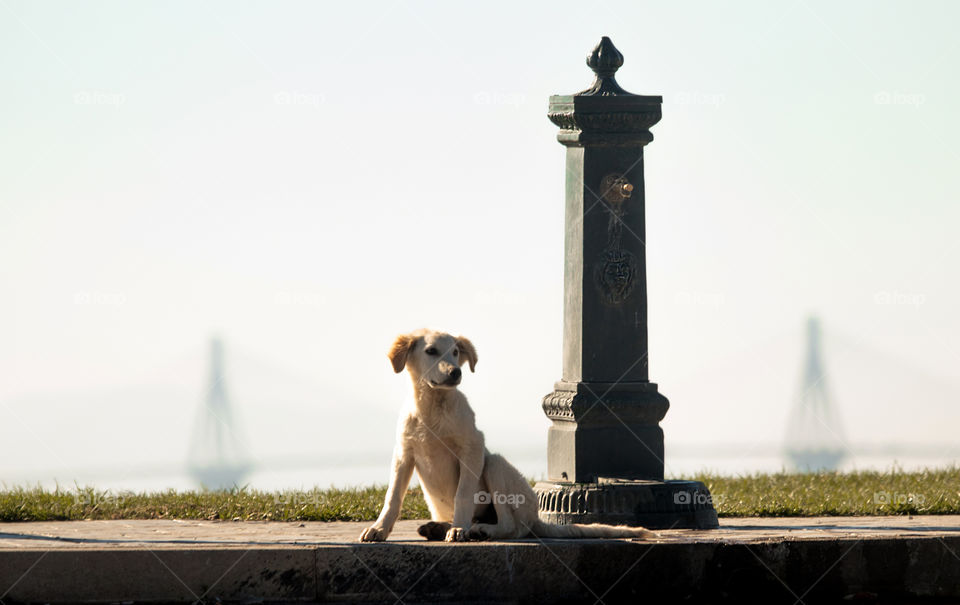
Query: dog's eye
{"x": 455, "y": 352}
{"x": 431, "y": 351}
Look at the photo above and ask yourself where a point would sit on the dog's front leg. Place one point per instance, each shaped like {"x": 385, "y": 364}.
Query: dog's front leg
{"x": 399, "y": 481}
{"x": 471, "y": 466}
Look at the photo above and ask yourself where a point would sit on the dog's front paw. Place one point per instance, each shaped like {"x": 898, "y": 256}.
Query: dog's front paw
{"x": 456, "y": 534}
{"x": 373, "y": 534}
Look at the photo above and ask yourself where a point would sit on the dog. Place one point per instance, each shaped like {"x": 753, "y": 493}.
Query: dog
{"x": 471, "y": 493}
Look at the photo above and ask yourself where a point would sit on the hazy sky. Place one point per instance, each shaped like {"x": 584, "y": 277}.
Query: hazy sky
{"x": 308, "y": 179}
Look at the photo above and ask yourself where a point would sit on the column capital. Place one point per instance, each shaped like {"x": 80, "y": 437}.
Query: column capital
{"x": 605, "y": 113}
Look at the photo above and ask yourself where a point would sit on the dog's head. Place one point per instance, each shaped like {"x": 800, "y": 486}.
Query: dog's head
{"x": 432, "y": 358}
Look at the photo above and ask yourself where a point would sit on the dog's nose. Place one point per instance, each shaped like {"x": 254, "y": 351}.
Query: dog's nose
{"x": 456, "y": 374}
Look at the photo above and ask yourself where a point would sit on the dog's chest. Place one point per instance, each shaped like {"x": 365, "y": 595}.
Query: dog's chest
{"x": 436, "y": 442}
{"x": 435, "y": 435}
{"x": 435, "y": 458}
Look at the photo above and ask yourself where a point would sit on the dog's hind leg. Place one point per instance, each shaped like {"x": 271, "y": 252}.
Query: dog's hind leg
{"x": 504, "y": 529}
{"x": 507, "y": 493}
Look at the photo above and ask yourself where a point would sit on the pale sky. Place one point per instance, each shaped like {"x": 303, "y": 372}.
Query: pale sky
{"x": 308, "y": 179}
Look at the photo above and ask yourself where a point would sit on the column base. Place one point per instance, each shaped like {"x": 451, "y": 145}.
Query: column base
{"x": 604, "y": 430}
{"x": 651, "y": 504}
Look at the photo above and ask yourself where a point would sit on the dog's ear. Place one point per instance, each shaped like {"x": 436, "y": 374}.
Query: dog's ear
{"x": 468, "y": 352}
{"x": 399, "y": 351}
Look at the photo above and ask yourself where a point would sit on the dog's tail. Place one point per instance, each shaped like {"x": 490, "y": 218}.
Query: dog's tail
{"x": 593, "y": 530}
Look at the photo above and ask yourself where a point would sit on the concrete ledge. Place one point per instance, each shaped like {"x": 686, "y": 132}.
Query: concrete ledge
{"x": 748, "y": 560}
{"x": 178, "y": 575}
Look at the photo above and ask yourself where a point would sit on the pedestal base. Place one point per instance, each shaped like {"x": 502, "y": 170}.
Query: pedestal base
{"x": 603, "y": 429}
{"x": 651, "y": 504}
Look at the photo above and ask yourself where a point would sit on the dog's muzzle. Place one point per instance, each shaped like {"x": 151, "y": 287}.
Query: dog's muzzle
{"x": 452, "y": 380}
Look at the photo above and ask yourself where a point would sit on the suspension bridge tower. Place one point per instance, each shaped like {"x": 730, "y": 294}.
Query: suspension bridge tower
{"x": 217, "y": 459}
{"x": 814, "y": 439}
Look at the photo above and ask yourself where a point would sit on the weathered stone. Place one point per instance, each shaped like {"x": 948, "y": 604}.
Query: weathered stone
{"x": 758, "y": 560}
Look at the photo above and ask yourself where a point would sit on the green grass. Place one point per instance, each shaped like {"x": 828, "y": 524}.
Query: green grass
{"x": 930, "y": 492}
{"x": 358, "y": 504}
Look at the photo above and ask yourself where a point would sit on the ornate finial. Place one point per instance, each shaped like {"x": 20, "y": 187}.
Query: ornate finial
{"x": 605, "y": 60}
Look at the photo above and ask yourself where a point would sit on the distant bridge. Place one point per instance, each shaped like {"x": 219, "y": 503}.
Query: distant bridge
{"x": 814, "y": 439}
{"x": 218, "y": 456}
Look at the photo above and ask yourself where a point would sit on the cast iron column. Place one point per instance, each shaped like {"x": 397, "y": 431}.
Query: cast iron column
{"x": 605, "y": 447}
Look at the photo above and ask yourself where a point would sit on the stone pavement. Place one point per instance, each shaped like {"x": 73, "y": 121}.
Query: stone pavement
{"x": 765, "y": 559}
{"x": 231, "y": 534}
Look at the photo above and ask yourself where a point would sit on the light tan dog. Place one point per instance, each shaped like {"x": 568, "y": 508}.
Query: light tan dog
{"x": 471, "y": 493}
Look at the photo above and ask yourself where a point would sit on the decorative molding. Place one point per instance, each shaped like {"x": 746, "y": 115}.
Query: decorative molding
{"x": 654, "y": 504}
{"x": 616, "y": 273}
{"x": 558, "y": 405}
{"x": 599, "y": 404}
{"x": 613, "y": 122}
